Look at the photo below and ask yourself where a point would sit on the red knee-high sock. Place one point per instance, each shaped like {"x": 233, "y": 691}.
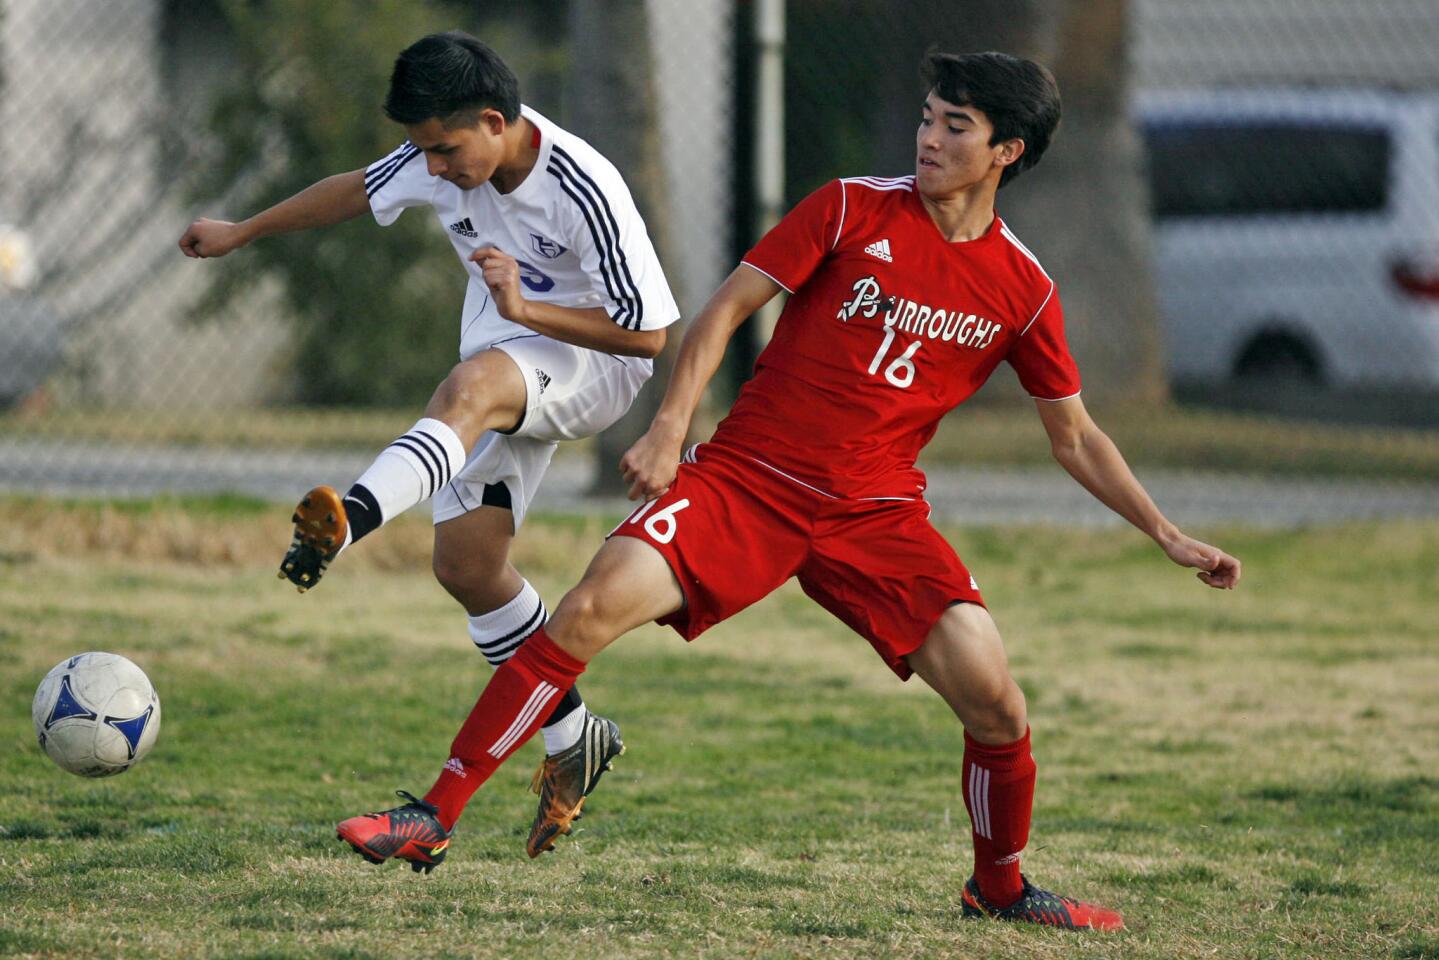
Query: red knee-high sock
{"x": 512, "y": 707}
{"x": 999, "y": 794}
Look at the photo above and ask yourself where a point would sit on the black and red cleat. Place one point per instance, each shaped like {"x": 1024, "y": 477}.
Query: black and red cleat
{"x": 1044, "y": 908}
{"x": 412, "y": 832}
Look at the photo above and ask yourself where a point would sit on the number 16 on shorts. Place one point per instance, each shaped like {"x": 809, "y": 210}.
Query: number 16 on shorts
{"x": 660, "y": 525}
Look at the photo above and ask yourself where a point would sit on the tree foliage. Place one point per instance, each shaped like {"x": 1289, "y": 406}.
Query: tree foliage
{"x": 374, "y": 310}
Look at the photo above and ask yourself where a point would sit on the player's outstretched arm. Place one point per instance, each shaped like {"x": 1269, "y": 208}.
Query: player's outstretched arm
{"x": 649, "y": 466}
{"x": 1092, "y": 458}
{"x": 332, "y": 200}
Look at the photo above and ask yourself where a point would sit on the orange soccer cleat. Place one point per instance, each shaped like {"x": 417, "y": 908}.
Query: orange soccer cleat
{"x": 320, "y": 527}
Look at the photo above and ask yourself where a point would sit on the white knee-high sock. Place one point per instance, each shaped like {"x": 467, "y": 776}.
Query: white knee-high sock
{"x": 499, "y": 633}
{"x": 411, "y": 470}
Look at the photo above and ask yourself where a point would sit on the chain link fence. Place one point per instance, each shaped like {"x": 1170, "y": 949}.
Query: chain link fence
{"x": 1241, "y": 208}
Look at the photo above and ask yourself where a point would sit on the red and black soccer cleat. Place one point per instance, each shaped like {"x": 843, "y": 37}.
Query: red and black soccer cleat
{"x": 1044, "y": 908}
{"x": 411, "y": 832}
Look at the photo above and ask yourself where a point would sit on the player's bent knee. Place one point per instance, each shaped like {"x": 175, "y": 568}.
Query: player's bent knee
{"x": 459, "y": 580}
{"x": 999, "y": 715}
{"x": 628, "y": 583}
{"x": 464, "y": 387}
{"x": 485, "y": 390}
{"x": 581, "y": 624}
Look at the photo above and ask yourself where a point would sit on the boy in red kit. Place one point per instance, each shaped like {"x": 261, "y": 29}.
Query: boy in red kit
{"x": 906, "y": 294}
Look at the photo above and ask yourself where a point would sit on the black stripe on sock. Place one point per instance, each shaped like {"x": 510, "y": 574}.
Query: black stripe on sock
{"x": 437, "y": 460}
{"x": 362, "y": 511}
{"x": 567, "y": 705}
{"x": 440, "y": 455}
{"x": 498, "y": 650}
{"x": 424, "y": 456}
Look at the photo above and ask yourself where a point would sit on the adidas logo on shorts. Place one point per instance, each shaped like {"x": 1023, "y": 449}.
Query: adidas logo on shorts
{"x": 544, "y": 379}
{"x": 464, "y": 228}
{"x": 880, "y": 248}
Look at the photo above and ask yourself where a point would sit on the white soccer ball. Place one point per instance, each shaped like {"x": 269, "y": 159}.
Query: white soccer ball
{"x": 96, "y": 714}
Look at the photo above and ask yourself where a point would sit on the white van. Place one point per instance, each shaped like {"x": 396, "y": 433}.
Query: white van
{"x": 1296, "y": 235}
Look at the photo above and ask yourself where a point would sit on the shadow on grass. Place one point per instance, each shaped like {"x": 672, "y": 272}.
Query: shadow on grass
{"x": 1422, "y": 948}
{"x": 1312, "y": 884}
{"x": 320, "y": 953}
{"x": 1362, "y": 810}
{"x": 1349, "y": 795}
{"x": 21, "y": 941}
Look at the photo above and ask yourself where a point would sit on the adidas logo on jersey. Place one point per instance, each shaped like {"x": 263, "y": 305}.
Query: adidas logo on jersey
{"x": 464, "y": 228}
{"x": 880, "y": 248}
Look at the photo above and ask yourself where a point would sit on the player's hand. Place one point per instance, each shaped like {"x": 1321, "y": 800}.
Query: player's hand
{"x": 1216, "y": 568}
{"x": 211, "y": 238}
{"x": 649, "y": 467}
{"x": 502, "y": 276}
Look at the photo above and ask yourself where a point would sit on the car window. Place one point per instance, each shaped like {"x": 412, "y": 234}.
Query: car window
{"x": 1228, "y": 169}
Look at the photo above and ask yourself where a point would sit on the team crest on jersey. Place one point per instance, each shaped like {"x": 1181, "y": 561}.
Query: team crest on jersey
{"x": 867, "y": 301}
{"x": 545, "y": 247}
{"x": 918, "y": 319}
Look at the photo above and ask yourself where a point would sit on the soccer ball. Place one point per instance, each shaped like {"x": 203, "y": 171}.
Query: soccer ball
{"x": 96, "y": 714}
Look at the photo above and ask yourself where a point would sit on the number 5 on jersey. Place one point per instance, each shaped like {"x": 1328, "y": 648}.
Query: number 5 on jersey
{"x": 661, "y": 527}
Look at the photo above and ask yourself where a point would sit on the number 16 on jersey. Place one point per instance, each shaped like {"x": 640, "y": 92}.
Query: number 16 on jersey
{"x": 661, "y": 527}
{"x": 900, "y": 371}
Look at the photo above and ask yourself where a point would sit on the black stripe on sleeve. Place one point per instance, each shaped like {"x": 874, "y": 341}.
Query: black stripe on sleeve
{"x": 601, "y": 242}
{"x": 606, "y": 217}
{"x": 606, "y": 233}
{"x": 619, "y": 250}
{"x": 380, "y": 167}
{"x": 385, "y": 175}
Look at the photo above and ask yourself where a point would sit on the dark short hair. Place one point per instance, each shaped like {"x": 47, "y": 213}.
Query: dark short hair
{"x": 450, "y": 77}
{"x": 1020, "y": 98}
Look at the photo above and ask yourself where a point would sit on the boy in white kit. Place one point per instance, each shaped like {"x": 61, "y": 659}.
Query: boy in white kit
{"x": 566, "y": 307}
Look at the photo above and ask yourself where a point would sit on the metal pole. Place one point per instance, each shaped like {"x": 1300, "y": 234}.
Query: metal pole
{"x": 769, "y": 134}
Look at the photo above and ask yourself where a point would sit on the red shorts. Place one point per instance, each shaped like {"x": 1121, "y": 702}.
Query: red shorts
{"x": 733, "y": 529}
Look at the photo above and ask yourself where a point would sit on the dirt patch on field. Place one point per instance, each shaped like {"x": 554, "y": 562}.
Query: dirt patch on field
{"x": 161, "y": 532}
{"x": 209, "y": 534}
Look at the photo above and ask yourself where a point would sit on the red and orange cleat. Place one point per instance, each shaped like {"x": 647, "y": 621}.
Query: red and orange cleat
{"x": 411, "y": 832}
{"x": 1044, "y": 908}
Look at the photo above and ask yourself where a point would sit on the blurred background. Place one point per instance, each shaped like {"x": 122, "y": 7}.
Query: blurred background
{"x": 1241, "y": 209}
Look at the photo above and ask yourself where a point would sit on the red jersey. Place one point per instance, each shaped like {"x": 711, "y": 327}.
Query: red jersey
{"x": 889, "y": 327}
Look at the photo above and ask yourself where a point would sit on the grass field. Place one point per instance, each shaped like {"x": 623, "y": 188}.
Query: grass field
{"x": 1247, "y": 774}
{"x": 993, "y": 433}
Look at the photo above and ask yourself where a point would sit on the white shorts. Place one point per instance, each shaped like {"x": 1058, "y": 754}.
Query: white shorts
{"x": 570, "y": 393}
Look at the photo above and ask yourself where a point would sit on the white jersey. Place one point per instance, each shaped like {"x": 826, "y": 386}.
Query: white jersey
{"x": 571, "y": 224}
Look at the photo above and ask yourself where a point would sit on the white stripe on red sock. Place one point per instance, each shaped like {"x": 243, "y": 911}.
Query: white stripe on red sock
{"x": 541, "y": 696}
